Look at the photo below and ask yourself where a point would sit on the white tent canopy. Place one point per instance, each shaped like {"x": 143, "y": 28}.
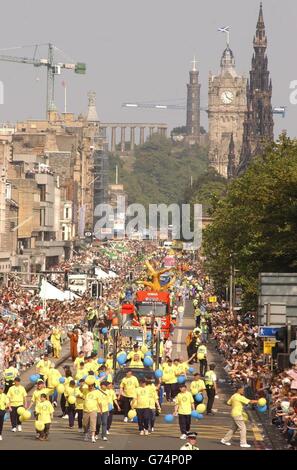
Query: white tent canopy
{"x": 112, "y": 274}
{"x": 50, "y": 292}
{"x": 100, "y": 274}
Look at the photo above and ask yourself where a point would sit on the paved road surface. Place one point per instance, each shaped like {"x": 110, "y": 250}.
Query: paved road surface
{"x": 125, "y": 436}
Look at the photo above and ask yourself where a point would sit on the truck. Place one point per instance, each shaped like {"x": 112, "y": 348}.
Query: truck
{"x": 155, "y": 304}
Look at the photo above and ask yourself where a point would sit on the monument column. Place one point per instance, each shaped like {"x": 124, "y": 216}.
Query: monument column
{"x": 151, "y": 130}
{"x": 113, "y": 138}
{"x": 132, "y": 138}
{"x": 141, "y": 136}
{"x": 123, "y": 134}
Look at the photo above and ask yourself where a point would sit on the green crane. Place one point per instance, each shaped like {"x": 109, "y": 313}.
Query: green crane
{"x": 53, "y": 68}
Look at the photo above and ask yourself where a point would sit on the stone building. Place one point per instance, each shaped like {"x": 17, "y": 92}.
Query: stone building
{"x": 227, "y": 105}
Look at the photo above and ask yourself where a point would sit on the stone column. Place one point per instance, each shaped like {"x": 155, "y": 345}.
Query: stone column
{"x": 141, "y": 141}
{"x": 132, "y": 138}
{"x": 151, "y": 130}
{"x": 123, "y": 137}
{"x": 113, "y": 138}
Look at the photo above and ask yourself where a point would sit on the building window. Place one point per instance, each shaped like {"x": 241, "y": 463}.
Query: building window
{"x": 42, "y": 192}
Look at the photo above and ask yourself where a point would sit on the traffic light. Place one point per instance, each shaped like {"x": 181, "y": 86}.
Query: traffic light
{"x": 94, "y": 290}
{"x": 281, "y": 336}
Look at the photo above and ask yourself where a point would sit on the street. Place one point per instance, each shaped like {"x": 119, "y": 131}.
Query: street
{"x": 125, "y": 436}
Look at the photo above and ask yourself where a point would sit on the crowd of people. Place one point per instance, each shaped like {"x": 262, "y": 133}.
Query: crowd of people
{"x": 237, "y": 340}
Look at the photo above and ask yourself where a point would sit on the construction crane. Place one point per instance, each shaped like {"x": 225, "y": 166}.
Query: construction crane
{"x": 53, "y": 69}
{"x": 156, "y": 106}
{"x": 280, "y": 110}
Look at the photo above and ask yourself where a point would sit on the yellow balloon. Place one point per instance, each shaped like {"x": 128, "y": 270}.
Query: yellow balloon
{"x": 132, "y": 414}
{"x": 21, "y": 418}
{"x": 39, "y": 426}
{"x": 261, "y": 402}
{"x": 55, "y": 383}
{"x": 60, "y": 388}
{"x": 26, "y": 415}
{"x": 71, "y": 400}
{"x": 201, "y": 408}
{"x": 90, "y": 380}
{"x": 21, "y": 410}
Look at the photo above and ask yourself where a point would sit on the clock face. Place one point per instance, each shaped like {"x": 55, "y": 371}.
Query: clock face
{"x": 227, "y": 97}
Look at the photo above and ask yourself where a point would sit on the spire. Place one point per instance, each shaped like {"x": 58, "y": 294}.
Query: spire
{"x": 92, "y": 111}
{"x": 194, "y": 63}
{"x": 260, "y": 40}
{"x": 227, "y": 60}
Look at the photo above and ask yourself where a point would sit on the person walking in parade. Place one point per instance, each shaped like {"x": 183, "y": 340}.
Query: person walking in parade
{"x": 237, "y": 402}
{"x": 210, "y": 379}
{"x": 184, "y": 405}
{"x": 4, "y": 403}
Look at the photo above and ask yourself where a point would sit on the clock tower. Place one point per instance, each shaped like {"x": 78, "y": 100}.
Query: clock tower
{"x": 227, "y": 105}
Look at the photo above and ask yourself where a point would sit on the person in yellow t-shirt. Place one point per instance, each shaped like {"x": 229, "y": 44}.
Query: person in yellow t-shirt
{"x": 102, "y": 416}
{"x": 56, "y": 342}
{"x": 142, "y": 402}
{"x": 154, "y": 403}
{"x": 237, "y": 402}
{"x": 109, "y": 361}
{"x": 40, "y": 389}
{"x": 112, "y": 400}
{"x": 197, "y": 386}
{"x": 17, "y": 397}
{"x": 69, "y": 393}
{"x": 80, "y": 394}
{"x": 80, "y": 358}
{"x": 128, "y": 388}
{"x": 184, "y": 404}
{"x": 136, "y": 356}
{"x": 81, "y": 371}
{"x": 92, "y": 406}
{"x": 169, "y": 379}
{"x": 4, "y": 402}
{"x": 43, "y": 366}
{"x": 9, "y": 375}
{"x": 136, "y": 361}
{"x": 44, "y": 411}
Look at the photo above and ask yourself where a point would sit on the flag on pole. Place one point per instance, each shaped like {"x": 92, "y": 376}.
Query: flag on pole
{"x": 224, "y": 29}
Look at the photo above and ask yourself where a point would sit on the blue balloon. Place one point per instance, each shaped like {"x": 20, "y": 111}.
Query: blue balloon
{"x": 122, "y": 358}
{"x": 104, "y": 330}
{"x": 62, "y": 380}
{"x": 199, "y": 416}
{"x": 199, "y": 397}
{"x": 169, "y": 418}
{"x": 148, "y": 362}
{"x": 135, "y": 419}
{"x": 191, "y": 370}
{"x": 102, "y": 374}
{"x": 181, "y": 379}
{"x": 158, "y": 373}
{"x": 148, "y": 353}
{"x": 34, "y": 378}
{"x": 101, "y": 360}
{"x": 195, "y": 414}
{"x": 262, "y": 409}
